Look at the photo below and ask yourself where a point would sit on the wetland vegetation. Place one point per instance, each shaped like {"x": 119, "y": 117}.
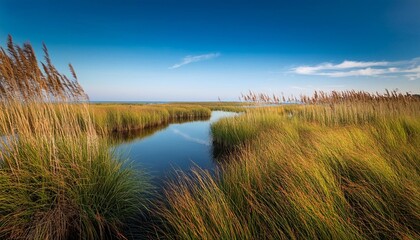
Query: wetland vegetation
{"x": 343, "y": 165}
{"x": 339, "y": 165}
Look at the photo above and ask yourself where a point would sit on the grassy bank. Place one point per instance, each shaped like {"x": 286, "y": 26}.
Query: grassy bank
{"x": 58, "y": 179}
{"x": 125, "y": 118}
{"x": 340, "y": 168}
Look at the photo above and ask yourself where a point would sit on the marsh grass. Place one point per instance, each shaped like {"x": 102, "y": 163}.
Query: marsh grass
{"x": 58, "y": 179}
{"x": 132, "y": 118}
{"x": 330, "y": 169}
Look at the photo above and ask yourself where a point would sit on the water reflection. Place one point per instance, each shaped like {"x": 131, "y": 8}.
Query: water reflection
{"x": 178, "y": 146}
{"x": 129, "y": 136}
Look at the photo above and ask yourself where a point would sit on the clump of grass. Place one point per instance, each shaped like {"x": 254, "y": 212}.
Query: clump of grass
{"x": 331, "y": 170}
{"x": 196, "y": 208}
{"x": 58, "y": 179}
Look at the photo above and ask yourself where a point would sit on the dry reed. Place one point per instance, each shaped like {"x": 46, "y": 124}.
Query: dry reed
{"x": 58, "y": 179}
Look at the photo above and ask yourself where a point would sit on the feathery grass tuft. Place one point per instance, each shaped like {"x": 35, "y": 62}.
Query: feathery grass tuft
{"x": 58, "y": 178}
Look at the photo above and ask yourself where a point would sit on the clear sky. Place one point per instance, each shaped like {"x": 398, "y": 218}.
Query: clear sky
{"x": 205, "y": 49}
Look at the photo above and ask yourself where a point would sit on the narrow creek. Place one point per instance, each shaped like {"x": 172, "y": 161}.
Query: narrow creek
{"x": 179, "y": 146}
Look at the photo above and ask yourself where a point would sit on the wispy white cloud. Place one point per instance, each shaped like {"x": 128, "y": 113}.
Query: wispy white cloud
{"x": 409, "y": 69}
{"x": 309, "y": 70}
{"x": 192, "y": 59}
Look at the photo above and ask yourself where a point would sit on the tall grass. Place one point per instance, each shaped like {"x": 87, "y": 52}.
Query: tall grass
{"x": 58, "y": 179}
{"x": 344, "y": 169}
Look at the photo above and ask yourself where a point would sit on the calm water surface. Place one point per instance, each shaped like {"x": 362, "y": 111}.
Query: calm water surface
{"x": 179, "y": 146}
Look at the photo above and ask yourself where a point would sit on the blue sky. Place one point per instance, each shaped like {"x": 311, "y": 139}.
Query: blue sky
{"x": 205, "y": 49}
